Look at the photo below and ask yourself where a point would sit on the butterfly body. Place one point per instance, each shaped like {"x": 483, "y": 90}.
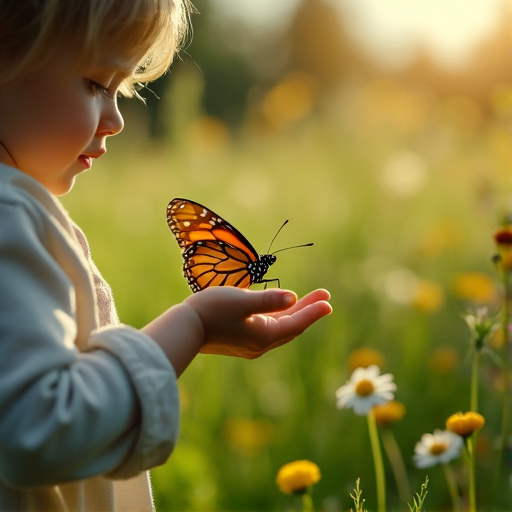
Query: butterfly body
{"x": 214, "y": 252}
{"x": 260, "y": 268}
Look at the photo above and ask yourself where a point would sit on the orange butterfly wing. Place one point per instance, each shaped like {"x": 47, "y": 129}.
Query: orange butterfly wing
{"x": 214, "y": 252}
{"x": 192, "y": 222}
{"x": 212, "y": 263}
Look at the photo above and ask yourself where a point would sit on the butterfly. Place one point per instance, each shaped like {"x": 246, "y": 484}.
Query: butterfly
{"x": 214, "y": 252}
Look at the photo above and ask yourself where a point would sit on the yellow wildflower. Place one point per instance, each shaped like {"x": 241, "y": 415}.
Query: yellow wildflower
{"x": 428, "y": 296}
{"x": 389, "y": 412}
{"x": 503, "y": 239}
{"x": 296, "y": 477}
{"x": 364, "y": 357}
{"x": 474, "y": 286}
{"x": 464, "y": 424}
{"x": 444, "y": 360}
{"x": 249, "y": 436}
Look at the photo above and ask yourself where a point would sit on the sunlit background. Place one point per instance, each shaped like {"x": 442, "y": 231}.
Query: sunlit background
{"x": 382, "y": 130}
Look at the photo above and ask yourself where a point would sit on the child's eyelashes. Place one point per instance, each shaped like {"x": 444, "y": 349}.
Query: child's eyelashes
{"x": 99, "y": 89}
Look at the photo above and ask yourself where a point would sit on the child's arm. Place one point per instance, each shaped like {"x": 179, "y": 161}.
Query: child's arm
{"x": 235, "y": 322}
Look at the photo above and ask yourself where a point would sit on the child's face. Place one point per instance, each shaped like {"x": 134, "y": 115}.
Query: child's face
{"x": 54, "y": 122}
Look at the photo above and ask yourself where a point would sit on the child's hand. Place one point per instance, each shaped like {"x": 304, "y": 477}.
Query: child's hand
{"x": 247, "y": 324}
{"x": 230, "y": 321}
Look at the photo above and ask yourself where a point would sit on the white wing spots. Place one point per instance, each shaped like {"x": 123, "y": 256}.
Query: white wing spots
{"x": 182, "y": 206}
{"x": 204, "y": 213}
{"x": 186, "y": 223}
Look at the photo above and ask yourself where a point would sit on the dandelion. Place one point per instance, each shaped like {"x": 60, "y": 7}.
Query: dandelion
{"x": 441, "y": 447}
{"x": 297, "y": 478}
{"x": 365, "y": 389}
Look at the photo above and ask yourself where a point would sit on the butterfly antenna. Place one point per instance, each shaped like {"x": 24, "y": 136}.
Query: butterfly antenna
{"x": 275, "y": 236}
{"x": 293, "y": 247}
{"x": 286, "y": 248}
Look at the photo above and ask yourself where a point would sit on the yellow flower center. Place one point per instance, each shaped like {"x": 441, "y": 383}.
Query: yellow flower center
{"x": 437, "y": 448}
{"x": 364, "y": 387}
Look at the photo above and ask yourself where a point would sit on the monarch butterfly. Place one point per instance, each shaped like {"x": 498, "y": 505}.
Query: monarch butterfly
{"x": 214, "y": 252}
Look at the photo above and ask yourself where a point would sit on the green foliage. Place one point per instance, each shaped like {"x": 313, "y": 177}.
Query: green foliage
{"x": 356, "y": 498}
{"x": 419, "y": 498}
{"x": 398, "y": 200}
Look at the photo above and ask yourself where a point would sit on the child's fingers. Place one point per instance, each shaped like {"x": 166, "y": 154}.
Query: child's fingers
{"x": 290, "y": 326}
{"x": 284, "y": 329}
{"x": 281, "y": 301}
{"x": 319, "y": 295}
{"x": 244, "y": 302}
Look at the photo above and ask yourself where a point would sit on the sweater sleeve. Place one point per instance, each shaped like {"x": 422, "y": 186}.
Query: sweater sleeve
{"x": 106, "y": 407}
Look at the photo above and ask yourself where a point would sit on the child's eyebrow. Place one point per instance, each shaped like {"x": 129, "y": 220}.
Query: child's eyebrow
{"x": 118, "y": 66}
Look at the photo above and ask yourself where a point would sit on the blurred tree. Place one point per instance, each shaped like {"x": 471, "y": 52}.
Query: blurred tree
{"x": 225, "y": 74}
{"x": 489, "y": 67}
{"x": 235, "y": 62}
{"x": 319, "y": 44}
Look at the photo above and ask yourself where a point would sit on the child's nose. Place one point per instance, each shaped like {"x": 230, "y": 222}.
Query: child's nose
{"x": 111, "y": 122}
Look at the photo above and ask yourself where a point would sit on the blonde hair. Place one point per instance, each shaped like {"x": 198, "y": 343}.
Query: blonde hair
{"x": 32, "y": 30}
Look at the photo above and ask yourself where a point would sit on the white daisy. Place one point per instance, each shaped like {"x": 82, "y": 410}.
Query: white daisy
{"x": 440, "y": 447}
{"x": 365, "y": 388}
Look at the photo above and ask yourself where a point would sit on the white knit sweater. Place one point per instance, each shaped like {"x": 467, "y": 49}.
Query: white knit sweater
{"x": 86, "y": 405}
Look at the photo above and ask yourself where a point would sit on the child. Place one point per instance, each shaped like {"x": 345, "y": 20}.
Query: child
{"x": 88, "y": 405}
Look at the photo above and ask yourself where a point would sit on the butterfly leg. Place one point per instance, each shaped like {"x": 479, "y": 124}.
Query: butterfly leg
{"x": 266, "y": 281}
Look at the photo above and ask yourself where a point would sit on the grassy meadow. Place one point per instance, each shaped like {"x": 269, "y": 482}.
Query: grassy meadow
{"x": 400, "y": 191}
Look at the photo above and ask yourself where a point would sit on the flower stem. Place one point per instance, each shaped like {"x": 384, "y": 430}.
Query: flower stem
{"x": 474, "y": 381}
{"x": 506, "y": 360}
{"x": 307, "y": 503}
{"x": 452, "y": 486}
{"x": 505, "y": 409}
{"x": 378, "y": 462}
{"x": 470, "y": 445}
{"x": 397, "y": 464}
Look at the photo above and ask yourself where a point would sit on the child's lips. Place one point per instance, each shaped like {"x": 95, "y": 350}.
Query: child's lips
{"x": 87, "y": 159}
